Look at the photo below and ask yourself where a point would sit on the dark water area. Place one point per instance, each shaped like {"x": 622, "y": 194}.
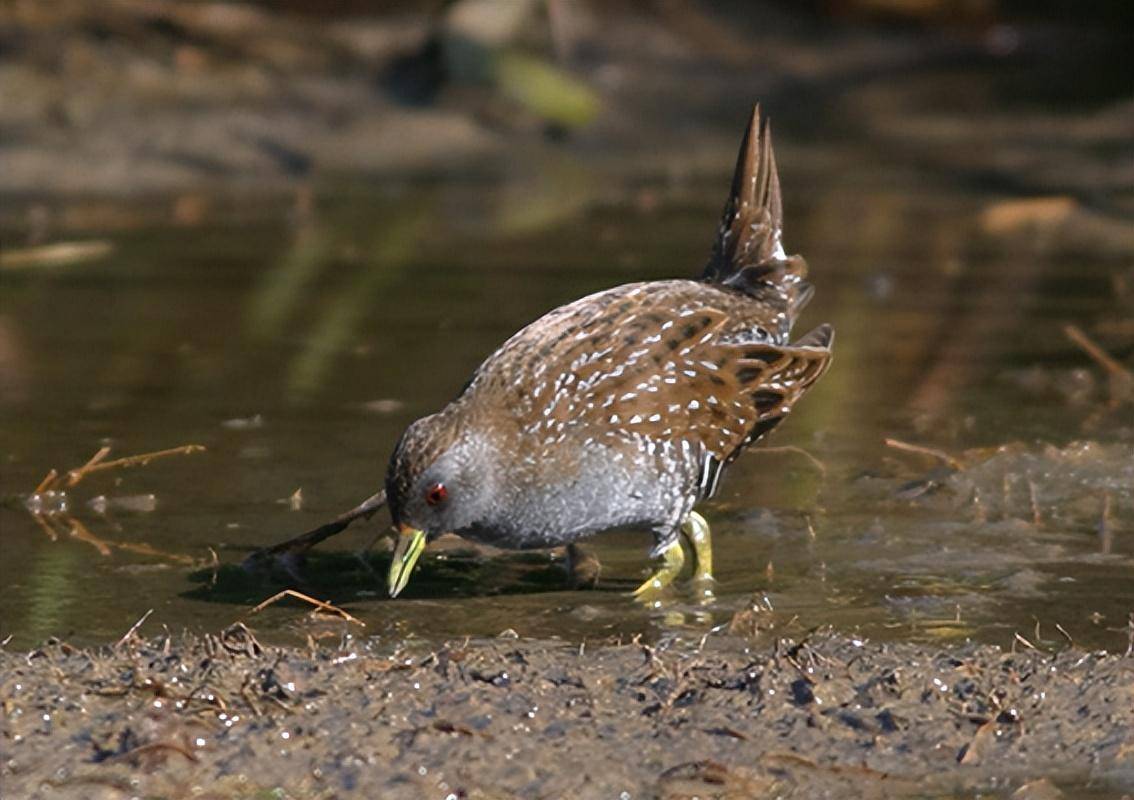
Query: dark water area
{"x": 295, "y": 345}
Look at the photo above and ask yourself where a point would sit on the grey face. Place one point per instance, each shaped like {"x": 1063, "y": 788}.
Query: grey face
{"x": 434, "y": 500}
{"x": 438, "y": 483}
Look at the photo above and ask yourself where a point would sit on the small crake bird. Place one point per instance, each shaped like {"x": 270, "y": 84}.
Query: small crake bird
{"x": 623, "y": 408}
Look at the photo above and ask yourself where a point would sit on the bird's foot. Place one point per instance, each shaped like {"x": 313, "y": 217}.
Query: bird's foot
{"x": 674, "y": 559}
{"x": 696, "y": 530}
{"x": 583, "y": 568}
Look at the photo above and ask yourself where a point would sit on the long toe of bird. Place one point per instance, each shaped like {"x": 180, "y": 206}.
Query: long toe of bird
{"x": 673, "y": 559}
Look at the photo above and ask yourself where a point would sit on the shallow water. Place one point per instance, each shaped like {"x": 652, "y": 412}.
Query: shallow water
{"x": 295, "y": 345}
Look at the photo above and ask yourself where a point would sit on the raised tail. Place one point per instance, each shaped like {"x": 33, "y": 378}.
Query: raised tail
{"x": 748, "y": 253}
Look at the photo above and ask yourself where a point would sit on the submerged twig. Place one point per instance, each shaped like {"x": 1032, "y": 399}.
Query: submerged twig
{"x": 96, "y": 464}
{"x": 49, "y": 503}
{"x": 1121, "y": 379}
{"x": 791, "y": 449}
{"x": 48, "y": 480}
{"x": 80, "y": 531}
{"x": 939, "y": 455}
{"x": 305, "y": 541}
{"x": 1037, "y": 520}
{"x": 75, "y": 475}
{"x": 319, "y": 604}
{"x": 1106, "y": 530}
{"x": 41, "y": 520}
{"x": 52, "y": 523}
{"x": 215, "y": 566}
{"x": 1091, "y": 348}
{"x": 141, "y": 548}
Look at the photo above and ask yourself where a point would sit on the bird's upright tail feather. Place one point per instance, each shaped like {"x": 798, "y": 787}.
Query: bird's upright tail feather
{"x": 748, "y": 252}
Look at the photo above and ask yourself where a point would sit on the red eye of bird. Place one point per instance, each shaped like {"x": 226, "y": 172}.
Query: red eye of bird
{"x": 436, "y": 494}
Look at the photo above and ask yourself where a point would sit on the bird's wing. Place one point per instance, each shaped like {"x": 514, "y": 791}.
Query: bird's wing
{"x": 666, "y": 361}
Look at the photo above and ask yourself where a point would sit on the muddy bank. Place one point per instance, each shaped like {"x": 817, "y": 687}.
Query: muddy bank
{"x": 741, "y": 714}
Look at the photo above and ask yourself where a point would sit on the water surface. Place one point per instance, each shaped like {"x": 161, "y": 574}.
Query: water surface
{"x": 296, "y": 343}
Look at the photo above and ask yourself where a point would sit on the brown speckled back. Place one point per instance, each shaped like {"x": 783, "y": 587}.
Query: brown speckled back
{"x": 667, "y": 360}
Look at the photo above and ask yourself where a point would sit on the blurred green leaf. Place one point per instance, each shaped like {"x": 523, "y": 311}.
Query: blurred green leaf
{"x": 544, "y": 89}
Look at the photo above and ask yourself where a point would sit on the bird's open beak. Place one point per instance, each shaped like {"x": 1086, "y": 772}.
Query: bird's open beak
{"x": 408, "y": 549}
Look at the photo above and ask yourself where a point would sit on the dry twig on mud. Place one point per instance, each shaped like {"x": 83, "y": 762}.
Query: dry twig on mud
{"x": 152, "y": 747}
{"x": 237, "y": 639}
{"x": 133, "y": 629}
{"x": 319, "y": 605}
{"x": 974, "y": 751}
{"x": 249, "y": 700}
{"x": 787, "y": 758}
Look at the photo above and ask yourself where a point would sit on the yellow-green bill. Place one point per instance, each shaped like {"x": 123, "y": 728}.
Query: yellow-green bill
{"x": 411, "y": 543}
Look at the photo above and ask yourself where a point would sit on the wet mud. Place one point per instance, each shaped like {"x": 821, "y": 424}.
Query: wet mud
{"x": 753, "y": 710}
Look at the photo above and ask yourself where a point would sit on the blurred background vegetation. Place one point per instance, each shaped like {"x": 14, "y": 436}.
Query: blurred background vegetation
{"x": 144, "y": 96}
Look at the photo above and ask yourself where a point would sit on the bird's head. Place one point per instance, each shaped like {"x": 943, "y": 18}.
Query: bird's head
{"x": 439, "y": 481}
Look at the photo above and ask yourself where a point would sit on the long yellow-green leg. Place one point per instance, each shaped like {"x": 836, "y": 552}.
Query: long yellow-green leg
{"x": 674, "y": 558}
{"x": 696, "y": 530}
